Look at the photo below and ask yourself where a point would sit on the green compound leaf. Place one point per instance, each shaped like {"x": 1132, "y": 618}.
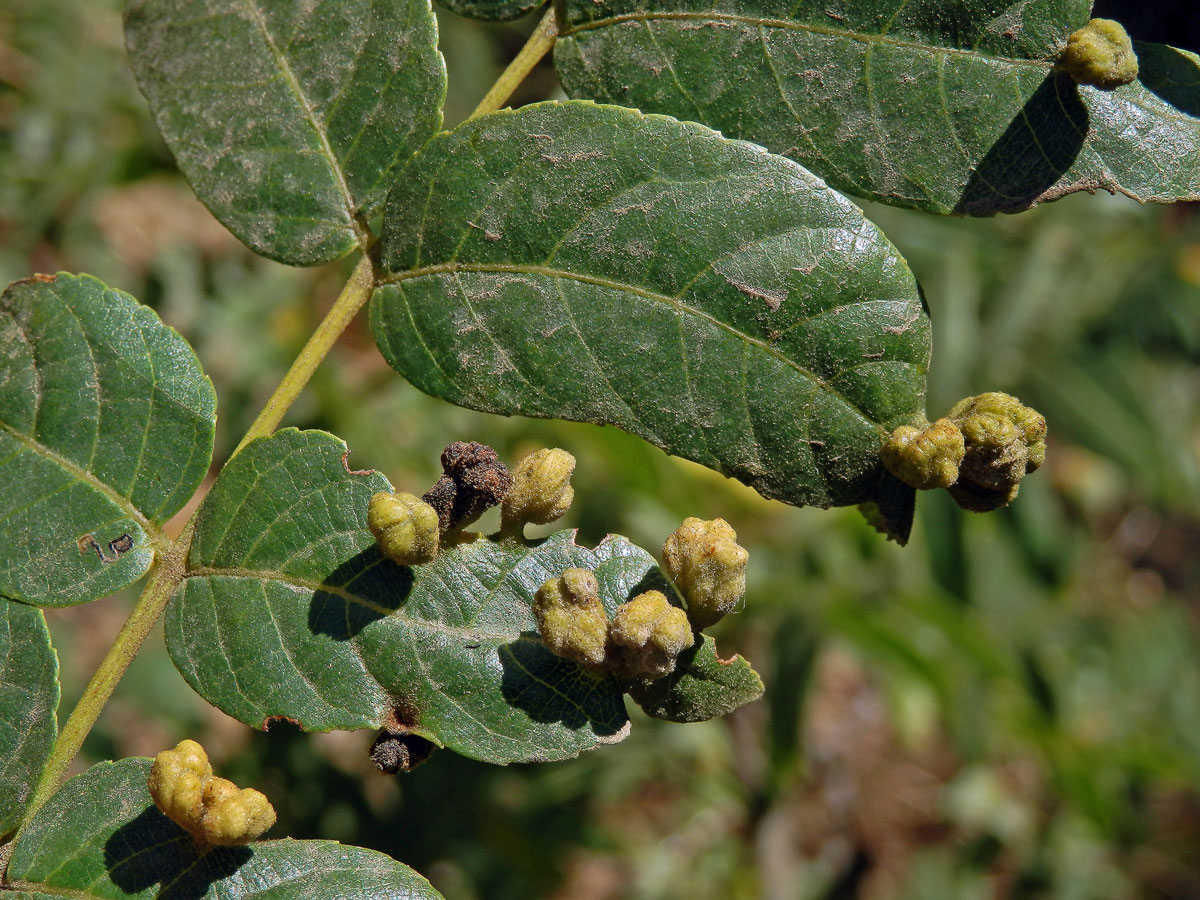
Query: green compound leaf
{"x": 106, "y": 430}
{"x": 290, "y": 119}
{"x": 703, "y": 686}
{"x": 591, "y": 263}
{"x": 945, "y": 107}
{"x": 102, "y": 837}
{"x": 491, "y": 10}
{"x": 28, "y": 704}
{"x": 289, "y": 611}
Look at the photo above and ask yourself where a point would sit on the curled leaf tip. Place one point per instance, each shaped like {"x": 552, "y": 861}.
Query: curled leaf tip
{"x": 541, "y": 490}
{"x": 571, "y": 618}
{"x": 647, "y": 635}
{"x": 925, "y": 458}
{"x": 405, "y": 527}
{"x": 1101, "y": 54}
{"x": 213, "y": 810}
{"x": 708, "y": 566}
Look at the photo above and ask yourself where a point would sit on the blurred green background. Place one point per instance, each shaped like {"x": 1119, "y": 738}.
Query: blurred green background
{"x": 1008, "y": 707}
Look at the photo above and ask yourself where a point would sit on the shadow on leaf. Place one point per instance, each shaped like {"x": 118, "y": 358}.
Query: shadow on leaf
{"x": 151, "y": 849}
{"x": 381, "y": 584}
{"x": 1037, "y": 148}
{"x": 549, "y": 689}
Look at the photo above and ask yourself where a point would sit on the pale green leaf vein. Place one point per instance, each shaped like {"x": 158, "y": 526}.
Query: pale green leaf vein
{"x": 529, "y": 269}
{"x": 791, "y": 25}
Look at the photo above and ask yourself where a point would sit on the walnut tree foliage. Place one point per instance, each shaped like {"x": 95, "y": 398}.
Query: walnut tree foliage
{"x": 671, "y": 251}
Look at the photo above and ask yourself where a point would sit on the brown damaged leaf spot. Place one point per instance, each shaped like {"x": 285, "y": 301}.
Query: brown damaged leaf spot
{"x": 346, "y": 466}
{"x": 773, "y": 298}
{"x": 989, "y": 207}
{"x": 402, "y": 717}
{"x": 271, "y": 720}
{"x": 617, "y": 736}
{"x": 42, "y": 278}
{"x": 908, "y": 323}
{"x": 116, "y": 547}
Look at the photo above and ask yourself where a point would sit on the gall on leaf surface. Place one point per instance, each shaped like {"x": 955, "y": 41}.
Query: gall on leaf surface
{"x": 946, "y": 107}
{"x": 28, "y": 706}
{"x": 289, "y": 120}
{"x": 106, "y": 430}
{"x": 289, "y": 611}
{"x": 102, "y": 837}
{"x": 587, "y": 262}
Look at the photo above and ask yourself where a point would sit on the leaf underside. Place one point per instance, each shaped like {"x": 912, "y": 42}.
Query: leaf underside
{"x": 290, "y": 119}
{"x": 102, "y": 837}
{"x": 591, "y": 263}
{"x": 106, "y": 430}
{"x": 28, "y": 706}
{"x": 702, "y": 687}
{"x": 948, "y": 108}
{"x": 491, "y": 10}
{"x": 288, "y": 611}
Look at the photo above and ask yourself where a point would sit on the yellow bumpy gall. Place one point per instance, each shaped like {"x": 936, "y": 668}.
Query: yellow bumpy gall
{"x": 406, "y": 528}
{"x": 1004, "y": 440}
{"x": 541, "y": 490}
{"x": 1101, "y": 54}
{"x": 925, "y": 458}
{"x": 647, "y": 635}
{"x": 708, "y": 566}
{"x": 214, "y": 810}
{"x": 571, "y": 618}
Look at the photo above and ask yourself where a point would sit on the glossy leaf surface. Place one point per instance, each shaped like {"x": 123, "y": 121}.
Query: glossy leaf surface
{"x": 703, "y": 686}
{"x": 591, "y": 263}
{"x": 290, "y": 611}
{"x": 102, "y": 837}
{"x": 28, "y": 704}
{"x": 290, "y": 119}
{"x": 942, "y": 107}
{"x": 106, "y": 430}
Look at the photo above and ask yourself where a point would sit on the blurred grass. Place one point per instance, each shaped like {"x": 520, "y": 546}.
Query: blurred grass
{"x": 1008, "y": 707}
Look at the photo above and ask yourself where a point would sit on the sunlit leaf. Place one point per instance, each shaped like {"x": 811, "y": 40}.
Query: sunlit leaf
{"x": 106, "y": 430}
{"x": 290, "y": 119}
{"x": 289, "y": 611}
{"x": 102, "y": 837}
{"x": 942, "y": 107}
{"x": 591, "y": 263}
{"x": 28, "y": 703}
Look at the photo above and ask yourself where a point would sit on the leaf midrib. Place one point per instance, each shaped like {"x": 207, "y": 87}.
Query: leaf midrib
{"x": 306, "y": 107}
{"x": 37, "y": 887}
{"x": 791, "y": 25}
{"x": 349, "y": 597}
{"x": 685, "y": 309}
{"x": 157, "y": 537}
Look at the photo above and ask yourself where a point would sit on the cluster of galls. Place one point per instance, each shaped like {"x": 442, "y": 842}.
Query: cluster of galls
{"x": 644, "y": 638}
{"x": 411, "y": 529}
{"x": 979, "y": 452}
{"x": 215, "y": 811}
{"x": 647, "y": 634}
